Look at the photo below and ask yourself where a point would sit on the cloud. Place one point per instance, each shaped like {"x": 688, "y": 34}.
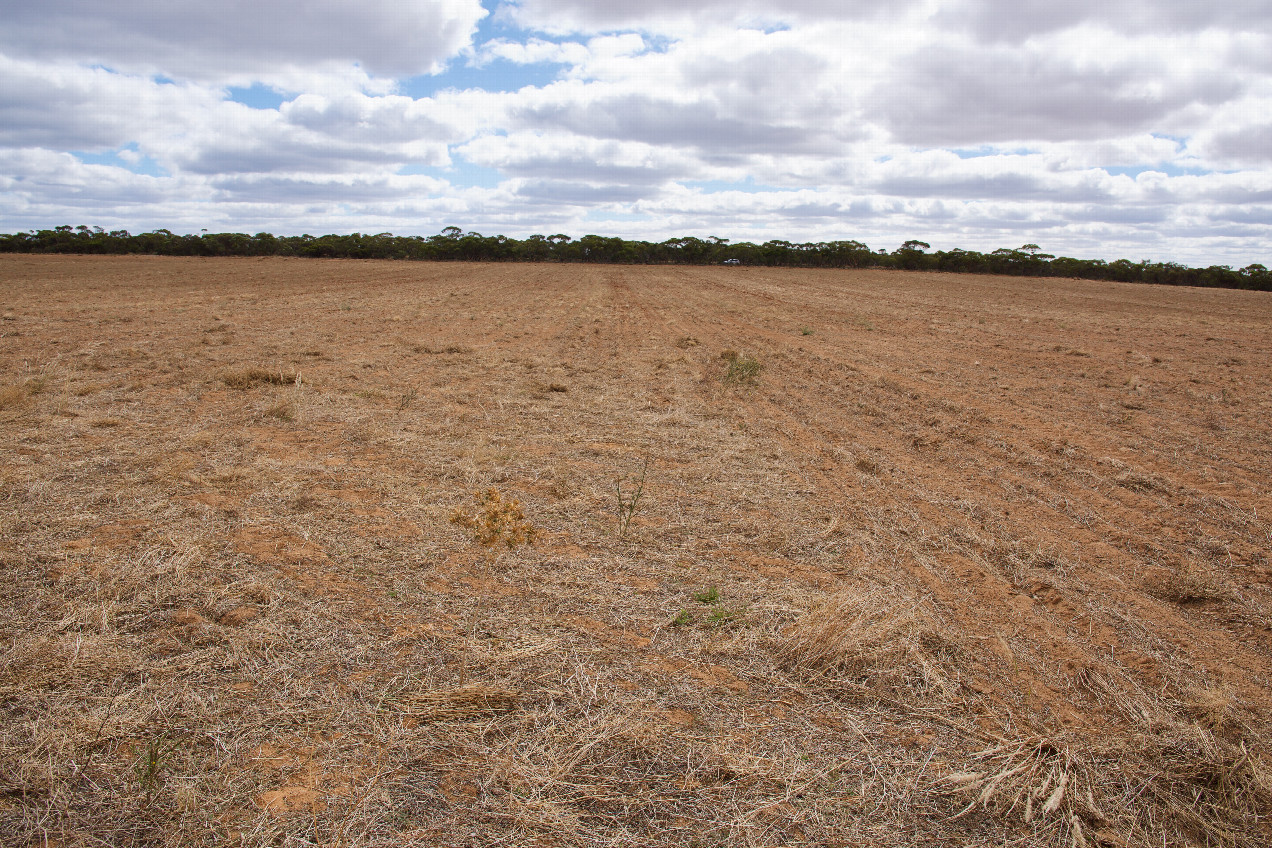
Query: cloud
{"x": 236, "y": 40}
{"x": 327, "y": 190}
{"x": 561, "y": 155}
{"x": 958, "y": 94}
{"x": 532, "y": 52}
{"x": 572, "y": 193}
{"x": 1135, "y": 128}
{"x": 68, "y": 107}
{"x": 1016, "y": 20}
{"x": 41, "y": 182}
{"x": 1250, "y": 144}
{"x": 672, "y": 15}
{"x": 694, "y": 123}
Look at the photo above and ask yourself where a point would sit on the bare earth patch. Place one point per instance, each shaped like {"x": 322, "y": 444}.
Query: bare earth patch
{"x": 351, "y": 553}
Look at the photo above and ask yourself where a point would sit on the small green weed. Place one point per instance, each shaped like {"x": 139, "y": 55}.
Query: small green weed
{"x": 628, "y": 504}
{"x": 805, "y": 331}
{"x": 743, "y": 369}
{"x": 710, "y": 595}
{"x": 152, "y": 762}
{"x": 722, "y": 615}
{"x": 684, "y": 618}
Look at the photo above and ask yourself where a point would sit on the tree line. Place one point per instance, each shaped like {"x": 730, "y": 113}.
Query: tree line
{"x": 453, "y": 244}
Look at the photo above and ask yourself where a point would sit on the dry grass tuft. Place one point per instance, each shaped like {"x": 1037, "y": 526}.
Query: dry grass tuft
{"x": 465, "y": 703}
{"x": 284, "y": 411}
{"x": 18, "y": 394}
{"x": 1137, "y": 482}
{"x": 1190, "y": 586}
{"x": 1178, "y": 782}
{"x": 871, "y": 637}
{"x": 742, "y": 368}
{"x": 12, "y": 396}
{"x": 1039, "y": 779}
{"x": 249, "y": 378}
{"x": 1191, "y": 773}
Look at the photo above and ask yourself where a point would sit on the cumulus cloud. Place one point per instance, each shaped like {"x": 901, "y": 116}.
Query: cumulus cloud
{"x": 671, "y": 15}
{"x": 957, "y": 94}
{"x": 531, "y": 52}
{"x": 68, "y": 107}
{"x": 1249, "y": 144}
{"x": 1015, "y": 20}
{"x": 243, "y": 40}
{"x": 693, "y": 123}
{"x": 560, "y": 155}
{"x": 1091, "y": 128}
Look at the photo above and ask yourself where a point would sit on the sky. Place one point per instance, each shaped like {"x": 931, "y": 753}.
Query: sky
{"x": 1140, "y": 129}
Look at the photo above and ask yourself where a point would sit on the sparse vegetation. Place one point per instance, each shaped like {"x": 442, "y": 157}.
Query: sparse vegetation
{"x": 723, "y": 615}
{"x": 248, "y": 378}
{"x": 151, "y": 763}
{"x": 629, "y": 503}
{"x": 931, "y": 586}
{"x": 709, "y": 595}
{"x": 496, "y": 521}
{"x": 873, "y": 638}
{"x": 740, "y": 368}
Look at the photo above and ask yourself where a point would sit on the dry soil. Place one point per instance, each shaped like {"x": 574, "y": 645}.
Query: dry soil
{"x": 301, "y": 552}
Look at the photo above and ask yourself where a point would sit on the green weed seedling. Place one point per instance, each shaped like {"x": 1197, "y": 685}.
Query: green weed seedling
{"x": 628, "y": 504}
{"x": 707, "y": 596}
{"x": 152, "y": 762}
{"x": 742, "y": 368}
{"x": 721, "y": 616}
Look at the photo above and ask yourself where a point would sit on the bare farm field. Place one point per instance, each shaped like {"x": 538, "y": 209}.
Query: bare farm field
{"x": 304, "y": 552}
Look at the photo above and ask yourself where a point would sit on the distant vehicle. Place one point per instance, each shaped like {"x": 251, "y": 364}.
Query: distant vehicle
{"x": 732, "y": 262}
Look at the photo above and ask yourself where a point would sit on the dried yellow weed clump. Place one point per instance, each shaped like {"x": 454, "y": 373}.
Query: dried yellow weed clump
{"x": 496, "y": 521}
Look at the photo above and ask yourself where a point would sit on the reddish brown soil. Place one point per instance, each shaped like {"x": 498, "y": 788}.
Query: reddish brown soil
{"x": 239, "y": 611}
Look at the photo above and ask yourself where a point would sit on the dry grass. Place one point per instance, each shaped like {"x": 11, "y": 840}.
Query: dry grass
{"x": 465, "y": 703}
{"x": 929, "y": 580}
{"x": 740, "y": 368}
{"x": 875, "y": 638}
{"x": 248, "y": 378}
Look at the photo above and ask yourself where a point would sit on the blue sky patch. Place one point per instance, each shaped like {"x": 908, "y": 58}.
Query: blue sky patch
{"x": 257, "y": 96}
{"x": 989, "y": 150}
{"x": 1167, "y": 169}
{"x": 144, "y": 165}
{"x": 461, "y": 173}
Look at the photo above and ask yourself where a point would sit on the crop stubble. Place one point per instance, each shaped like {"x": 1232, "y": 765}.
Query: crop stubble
{"x": 990, "y": 557}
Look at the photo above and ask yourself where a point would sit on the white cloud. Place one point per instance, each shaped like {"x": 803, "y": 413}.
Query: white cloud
{"x": 242, "y": 40}
{"x": 677, "y": 15}
{"x": 957, "y": 93}
{"x": 532, "y": 52}
{"x": 1091, "y": 128}
{"x": 1016, "y": 20}
{"x": 561, "y": 155}
{"x": 69, "y": 107}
